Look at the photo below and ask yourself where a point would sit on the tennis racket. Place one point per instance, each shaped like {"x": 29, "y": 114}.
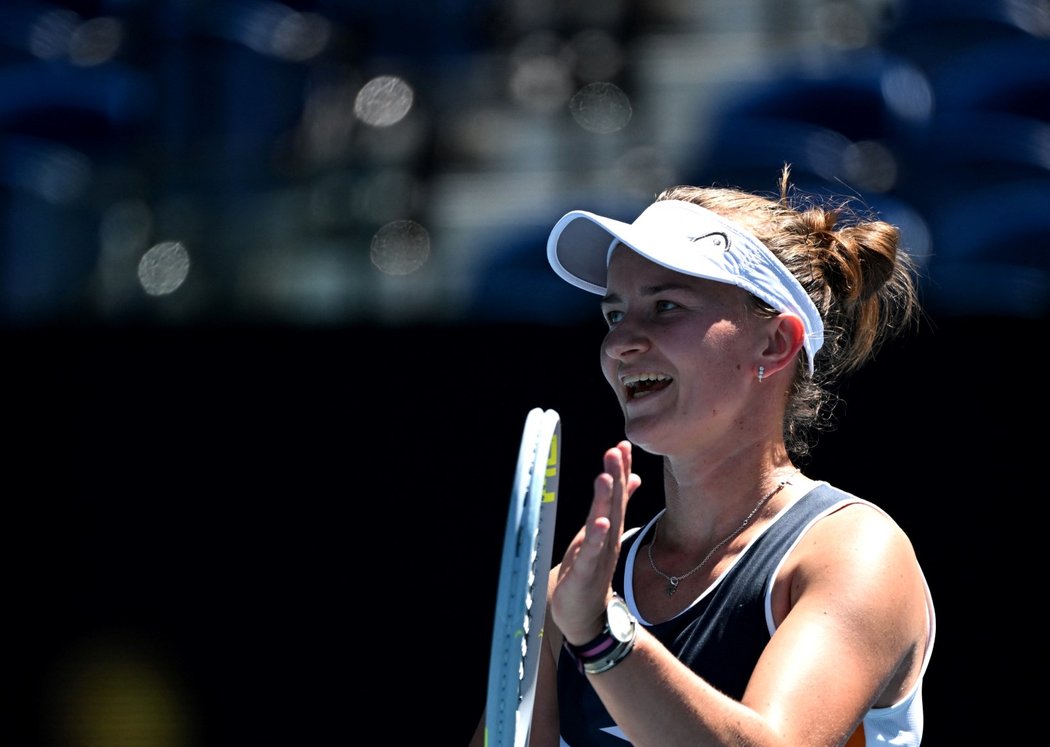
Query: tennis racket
{"x": 521, "y": 599}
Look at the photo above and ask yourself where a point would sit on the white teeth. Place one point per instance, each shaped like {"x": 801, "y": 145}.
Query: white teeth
{"x": 633, "y": 379}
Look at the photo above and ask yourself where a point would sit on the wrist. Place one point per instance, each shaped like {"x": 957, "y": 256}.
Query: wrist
{"x": 586, "y": 640}
{"x": 612, "y": 645}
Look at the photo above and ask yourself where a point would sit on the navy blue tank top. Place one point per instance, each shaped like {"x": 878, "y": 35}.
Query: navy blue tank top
{"x": 720, "y": 637}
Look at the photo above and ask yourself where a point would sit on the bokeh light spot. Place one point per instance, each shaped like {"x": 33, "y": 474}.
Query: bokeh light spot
{"x": 51, "y": 33}
{"x": 163, "y": 268}
{"x": 601, "y": 107}
{"x": 301, "y": 36}
{"x": 110, "y": 693}
{"x": 383, "y": 101}
{"x": 541, "y": 83}
{"x": 96, "y": 41}
{"x": 58, "y": 174}
{"x": 400, "y": 247}
{"x": 870, "y": 165}
{"x": 908, "y": 93}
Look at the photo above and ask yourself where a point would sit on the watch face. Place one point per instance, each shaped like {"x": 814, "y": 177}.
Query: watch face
{"x": 621, "y": 622}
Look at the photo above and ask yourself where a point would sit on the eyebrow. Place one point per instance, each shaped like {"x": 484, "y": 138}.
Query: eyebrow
{"x": 648, "y": 290}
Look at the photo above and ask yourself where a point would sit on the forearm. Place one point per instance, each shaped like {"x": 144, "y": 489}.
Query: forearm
{"x": 659, "y": 702}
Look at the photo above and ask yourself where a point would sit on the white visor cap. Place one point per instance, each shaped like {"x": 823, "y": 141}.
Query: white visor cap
{"x": 689, "y": 239}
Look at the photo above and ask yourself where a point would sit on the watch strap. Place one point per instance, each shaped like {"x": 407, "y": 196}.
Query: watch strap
{"x": 601, "y": 653}
{"x": 596, "y": 647}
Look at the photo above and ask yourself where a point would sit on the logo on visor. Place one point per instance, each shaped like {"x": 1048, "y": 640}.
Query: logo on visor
{"x": 716, "y": 239}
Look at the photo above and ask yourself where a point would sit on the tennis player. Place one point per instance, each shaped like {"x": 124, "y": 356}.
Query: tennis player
{"x": 760, "y": 605}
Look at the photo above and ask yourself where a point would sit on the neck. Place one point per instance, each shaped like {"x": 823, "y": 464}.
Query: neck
{"x": 675, "y": 579}
{"x": 704, "y": 505}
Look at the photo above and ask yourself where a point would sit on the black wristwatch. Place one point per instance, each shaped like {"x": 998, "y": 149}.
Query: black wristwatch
{"x": 611, "y": 645}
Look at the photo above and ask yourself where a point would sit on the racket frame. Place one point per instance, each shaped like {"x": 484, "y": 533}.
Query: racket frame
{"x": 521, "y": 599}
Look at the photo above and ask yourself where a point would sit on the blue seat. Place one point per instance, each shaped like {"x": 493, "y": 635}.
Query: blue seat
{"x": 931, "y": 31}
{"x": 72, "y": 103}
{"x": 991, "y": 251}
{"x": 839, "y": 124}
{"x": 65, "y": 145}
{"x": 1004, "y": 75}
{"x": 514, "y": 283}
{"x": 749, "y": 153}
{"x": 963, "y": 150}
{"x": 864, "y": 95}
{"x": 415, "y": 30}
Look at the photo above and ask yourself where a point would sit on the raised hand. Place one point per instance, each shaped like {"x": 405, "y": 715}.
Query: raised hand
{"x": 585, "y": 573}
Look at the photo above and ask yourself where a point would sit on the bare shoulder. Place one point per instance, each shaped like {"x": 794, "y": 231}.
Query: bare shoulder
{"x": 852, "y": 615}
{"x": 858, "y": 563}
{"x": 860, "y": 530}
{"x": 858, "y": 566}
{"x": 856, "y": 543}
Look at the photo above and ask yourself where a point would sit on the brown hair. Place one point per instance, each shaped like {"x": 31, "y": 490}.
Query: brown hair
{"x": 851, "y": 264}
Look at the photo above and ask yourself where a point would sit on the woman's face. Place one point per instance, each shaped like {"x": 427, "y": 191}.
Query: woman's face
{"x": 679, "y": 354}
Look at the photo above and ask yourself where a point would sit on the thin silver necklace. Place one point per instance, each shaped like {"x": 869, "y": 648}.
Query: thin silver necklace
{"x": 673, "y": 581}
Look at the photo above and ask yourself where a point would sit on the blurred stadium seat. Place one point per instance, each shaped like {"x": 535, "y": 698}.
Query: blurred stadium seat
{"x": 930, "y": 31}
{"x": 843, "y": 127}
{"x": 991, "y": 251}
{"x": 65, "y": 141}
{"x": 839, "y": 123}
{"x": 1004, "y": 75}
{"x": 964, "y": 150}
{"x": 514, "y": 283}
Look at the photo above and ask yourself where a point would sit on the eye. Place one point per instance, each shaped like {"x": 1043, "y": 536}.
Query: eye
{"x": 613, "y": 316}
{"x": 666, "y": 305}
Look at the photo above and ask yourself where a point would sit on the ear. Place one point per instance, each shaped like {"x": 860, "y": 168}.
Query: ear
{"x": 782, "y": 345}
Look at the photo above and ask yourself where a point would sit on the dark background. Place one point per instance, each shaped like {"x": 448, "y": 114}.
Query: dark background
{"x": 263, "y": 501}
{"x": 302, "y": 530}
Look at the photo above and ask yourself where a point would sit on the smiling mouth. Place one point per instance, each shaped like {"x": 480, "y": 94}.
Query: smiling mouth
{"x": 640, "y": 385}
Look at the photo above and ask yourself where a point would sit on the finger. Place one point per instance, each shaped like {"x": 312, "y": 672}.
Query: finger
{"x": 596, "y": 532}
{"x": 595, "y": 524}
{"x": 600, "y": 520}
{"x": 601, "y": 500}
{"x": 594, "y": 548}
{"x": 634, "y": 481}
{"x": 627, "y": 449}
{"x": 618, "y": 466}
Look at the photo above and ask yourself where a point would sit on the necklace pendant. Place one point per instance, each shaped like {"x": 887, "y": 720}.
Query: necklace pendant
{"x": 672, "y": 585}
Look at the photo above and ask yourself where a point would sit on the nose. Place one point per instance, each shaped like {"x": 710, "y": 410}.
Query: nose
{"x": 625, "y": 340}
